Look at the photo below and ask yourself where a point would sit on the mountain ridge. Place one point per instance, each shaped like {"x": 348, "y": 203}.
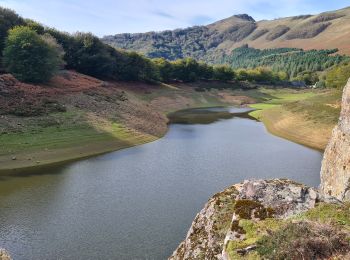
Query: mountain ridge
{"x": 212, "y": 42}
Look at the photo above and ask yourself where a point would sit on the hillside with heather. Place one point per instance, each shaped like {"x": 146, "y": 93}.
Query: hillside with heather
{"x": 212, "y": 42}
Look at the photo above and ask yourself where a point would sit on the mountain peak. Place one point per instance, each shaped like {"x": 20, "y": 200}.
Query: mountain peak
{"x": 245, "y": 17}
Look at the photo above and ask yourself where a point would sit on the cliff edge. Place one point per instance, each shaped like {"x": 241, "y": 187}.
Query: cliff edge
{"x": 335, "y": 172}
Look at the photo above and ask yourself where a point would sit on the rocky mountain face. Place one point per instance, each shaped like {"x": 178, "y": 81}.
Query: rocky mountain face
{"x": 212, "y": 42}
{"x": 335, "y": 172}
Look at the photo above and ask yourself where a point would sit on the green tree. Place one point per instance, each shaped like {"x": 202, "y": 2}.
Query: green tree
{"x": 8, "y": 19}
{"x": 186, "y": 70}
{"x": 338, "y": 76}
{"x": 165, "y": 69}
{"x": 92, "y": 57}
{"x": 223, "y": 73}
{"x": 31, "y": 57}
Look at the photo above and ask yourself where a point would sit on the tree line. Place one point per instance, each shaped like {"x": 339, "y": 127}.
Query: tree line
{"x": 34, "y": 53}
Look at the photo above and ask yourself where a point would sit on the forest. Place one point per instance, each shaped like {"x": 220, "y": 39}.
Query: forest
{"x": 299, "y": 64}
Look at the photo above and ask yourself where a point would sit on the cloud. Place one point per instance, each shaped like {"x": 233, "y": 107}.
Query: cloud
{"x": 163, "y": 14}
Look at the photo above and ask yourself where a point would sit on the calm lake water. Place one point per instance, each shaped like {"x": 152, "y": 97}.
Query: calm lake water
{"x": 138, "y": 203}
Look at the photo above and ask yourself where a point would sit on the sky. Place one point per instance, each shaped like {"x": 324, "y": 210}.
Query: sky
{"x": 106, "y": 17}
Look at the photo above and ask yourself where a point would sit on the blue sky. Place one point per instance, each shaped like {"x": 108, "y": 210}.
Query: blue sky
{"x": 104, "y": 17}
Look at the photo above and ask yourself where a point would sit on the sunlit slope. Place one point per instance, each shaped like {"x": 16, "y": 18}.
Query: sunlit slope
{"x": 210, "y": 43}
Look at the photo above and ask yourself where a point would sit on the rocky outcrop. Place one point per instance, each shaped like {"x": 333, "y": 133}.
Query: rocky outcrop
{"x": 335, "y": 172}
{"x": 217, "y": 224}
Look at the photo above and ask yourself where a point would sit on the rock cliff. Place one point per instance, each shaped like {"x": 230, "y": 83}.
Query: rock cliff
{"x": 335, "y": 172}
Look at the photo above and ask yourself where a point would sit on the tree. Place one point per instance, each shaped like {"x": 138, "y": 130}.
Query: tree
{"x": 8, "y": 19}
{"x": 31, "y": 57}
{"x": 186, "y": 70}
{"x": 165, "y": 69}
{"x": 92, "y": 57}
{"x": 223, "y": 73}
{"x": 338, "y": 76}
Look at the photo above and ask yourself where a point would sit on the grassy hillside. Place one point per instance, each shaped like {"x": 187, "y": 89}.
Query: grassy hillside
{"x": 210, "y": 43}
{"x": 302, "y": 117}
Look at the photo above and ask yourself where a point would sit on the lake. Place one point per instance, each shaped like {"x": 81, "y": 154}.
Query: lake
{"x": 138, "y": 203}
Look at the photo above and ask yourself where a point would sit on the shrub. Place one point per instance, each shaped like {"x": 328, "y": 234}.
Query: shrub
{"x": 301, "y": 17}
{"x": 30, "y": 57}
{"x": 277, "y": 32}
{"x": 238, "y": 32}
{"x": 223, "y": 73}
{"x": 258, "y": 34}
{"x": 326, "y": 17}
{"x": 338, "y": 76}
{"x": 303, "y": 240}
{"x": 307, "y": 30}
{"x": 248, "y": 209}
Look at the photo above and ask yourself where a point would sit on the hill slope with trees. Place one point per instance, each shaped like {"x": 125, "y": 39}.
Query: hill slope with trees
{"x": 210, "y": 43}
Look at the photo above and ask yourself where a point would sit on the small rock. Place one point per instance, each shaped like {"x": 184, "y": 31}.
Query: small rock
{"x": 14, "y": 158}
{"x": 244, "y": 251}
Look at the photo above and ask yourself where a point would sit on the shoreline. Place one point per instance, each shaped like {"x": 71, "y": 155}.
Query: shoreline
{"x": 54, "y": 157}
{"x": 62, "y": 156}
{"x": 150, "y": 120}
{"x": 295, "y": 128}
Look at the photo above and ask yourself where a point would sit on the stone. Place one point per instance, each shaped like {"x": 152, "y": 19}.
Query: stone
{"x": 284, "y": 197}
{"x": 246, "y": 250}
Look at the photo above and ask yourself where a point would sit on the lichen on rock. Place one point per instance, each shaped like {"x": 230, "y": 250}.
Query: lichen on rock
{"x": 222, "y": 219}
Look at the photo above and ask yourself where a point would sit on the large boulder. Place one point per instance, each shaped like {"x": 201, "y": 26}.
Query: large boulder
{"x": 210, "y": 230}
{"x": 335, "y": 172}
